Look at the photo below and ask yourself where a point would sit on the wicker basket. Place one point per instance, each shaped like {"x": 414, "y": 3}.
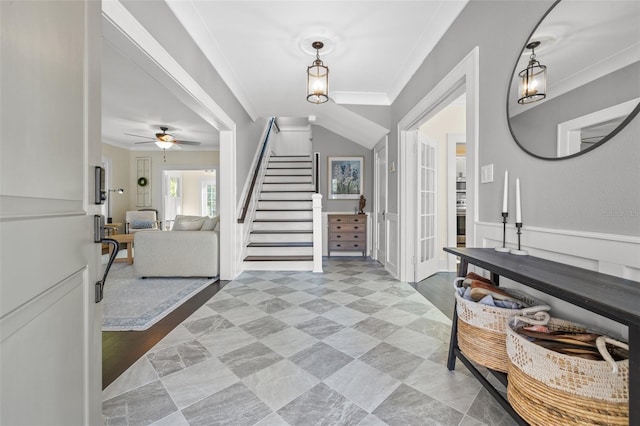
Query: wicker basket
{"x": 549, "y": 388}
{"x": 482, "y": 329}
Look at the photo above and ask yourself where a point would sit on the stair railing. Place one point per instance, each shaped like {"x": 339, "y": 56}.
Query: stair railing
{"x": 256, "y": 172}
{"x": 316, "y": 171}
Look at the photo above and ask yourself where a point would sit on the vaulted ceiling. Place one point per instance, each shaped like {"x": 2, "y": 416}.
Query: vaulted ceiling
{"x": 262, "y": 49}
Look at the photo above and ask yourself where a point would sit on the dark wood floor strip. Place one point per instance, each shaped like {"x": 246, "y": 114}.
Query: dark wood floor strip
{"x": 120, "y": 349}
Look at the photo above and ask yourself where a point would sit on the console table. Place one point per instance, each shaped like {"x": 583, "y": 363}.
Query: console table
{"x": 607, "y": 295}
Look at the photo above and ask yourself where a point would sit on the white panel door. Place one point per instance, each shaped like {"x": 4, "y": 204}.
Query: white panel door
{"x": 50, "y": 325}
{"x": 380, "y": 250}
{"x": 425, "y": 248}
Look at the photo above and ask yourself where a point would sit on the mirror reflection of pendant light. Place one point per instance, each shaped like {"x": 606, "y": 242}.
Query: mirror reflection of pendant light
{"x": 533, "y": 79}
{"x": 317, "y": 78}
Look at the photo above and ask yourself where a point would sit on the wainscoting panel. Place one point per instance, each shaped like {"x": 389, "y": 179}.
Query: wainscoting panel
{"x": 617, "y": 255}
{"x": 393, "y": 244}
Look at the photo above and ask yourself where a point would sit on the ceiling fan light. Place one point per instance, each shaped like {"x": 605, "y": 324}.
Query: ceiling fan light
{"x": 163, "y": 144}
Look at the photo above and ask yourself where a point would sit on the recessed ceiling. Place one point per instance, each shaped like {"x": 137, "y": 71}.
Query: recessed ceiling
{"x": 258, "y": 48}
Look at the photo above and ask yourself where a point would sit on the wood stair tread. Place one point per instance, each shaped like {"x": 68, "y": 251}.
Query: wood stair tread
{"x": 284, "y": 231}
{"x": 283, "y": 220}
{"x": 295, "y": 200}
{"x": 284, "y": 210}
{"x": 281, "y": 244}
{"x": 278, "y": 258}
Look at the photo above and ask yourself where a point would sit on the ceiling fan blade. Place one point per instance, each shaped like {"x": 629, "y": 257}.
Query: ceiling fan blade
{"x": 139, "y": 136}
{"x": 137, "y": 143}
{"x": 187, "y": 143}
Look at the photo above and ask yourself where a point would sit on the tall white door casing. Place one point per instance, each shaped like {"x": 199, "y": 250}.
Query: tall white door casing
{"x": 50, "y": 325}
{"x": 381, "y": 187}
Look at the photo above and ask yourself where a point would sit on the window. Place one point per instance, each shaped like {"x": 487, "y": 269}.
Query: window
{"x": 209, "y": 194}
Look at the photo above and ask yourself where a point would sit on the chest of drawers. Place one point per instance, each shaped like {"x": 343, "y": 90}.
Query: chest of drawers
{"x": 347, "y": 232}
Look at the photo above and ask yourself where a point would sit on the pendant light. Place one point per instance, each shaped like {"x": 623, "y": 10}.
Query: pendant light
{"x": 317, "y": 78}
{"x": 533, "y": 79}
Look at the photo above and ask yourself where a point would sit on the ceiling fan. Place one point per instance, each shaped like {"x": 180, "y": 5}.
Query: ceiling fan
{"x": 164, "y": 140}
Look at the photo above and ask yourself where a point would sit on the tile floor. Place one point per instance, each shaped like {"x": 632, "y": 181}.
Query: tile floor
{"x": 350, "y": 346}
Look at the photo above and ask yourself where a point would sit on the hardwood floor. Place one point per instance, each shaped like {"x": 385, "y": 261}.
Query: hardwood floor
{"x": 120, "y": 349}
{"x": 438, "y": 289}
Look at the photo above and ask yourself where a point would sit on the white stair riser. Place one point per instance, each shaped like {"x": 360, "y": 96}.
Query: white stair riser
{"x": 285, "y": 205}
{"x": 289, "y": 165}
{"x": 285, "y": 195}
{"x": 281, "y": 238}
{"x": 287, "y": 187}
{"x": 277, "y": 266}
{"x": 283, "y": 226}
{"x": 277, "y": 179}
{"x": 284, "y": 214}
{"x": 290, "y": 158}
{"x": 279, "y": 251}
{"x": 287, "y": 172}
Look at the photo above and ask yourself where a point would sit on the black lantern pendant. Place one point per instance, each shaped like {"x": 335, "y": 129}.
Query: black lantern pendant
{"x": 533, "y": 79}
{"x": 317, "y": 78}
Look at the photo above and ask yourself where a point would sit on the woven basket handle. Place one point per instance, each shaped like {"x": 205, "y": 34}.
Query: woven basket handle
{"x": 601, "y": 343}
{"x": 456, "y": 282}
{"x": 533, "y": 317}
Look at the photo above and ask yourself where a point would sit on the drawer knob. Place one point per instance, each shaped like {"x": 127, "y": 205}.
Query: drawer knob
{"x": 355, "y": 245}
{"x": 338, "y": 236}
{"x": 356, "y": 236}
{"x": 355, "y": 227}
{"x": 338, "y": 245}
{"x": 338, "y": 227}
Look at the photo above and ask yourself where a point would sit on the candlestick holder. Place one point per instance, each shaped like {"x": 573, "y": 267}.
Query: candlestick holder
{"x": 519, "y": 251}
{"x": 503, "y": 249}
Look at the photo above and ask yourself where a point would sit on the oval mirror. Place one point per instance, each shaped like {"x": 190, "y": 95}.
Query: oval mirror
{"x": 589, "y": 52}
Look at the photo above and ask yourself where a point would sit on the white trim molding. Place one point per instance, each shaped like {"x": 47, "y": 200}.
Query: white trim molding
{"x": 617, "y": 255}
{"x": 463, "y": 78}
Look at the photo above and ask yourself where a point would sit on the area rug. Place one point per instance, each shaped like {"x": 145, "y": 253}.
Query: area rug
{"x": 132, "y": 303}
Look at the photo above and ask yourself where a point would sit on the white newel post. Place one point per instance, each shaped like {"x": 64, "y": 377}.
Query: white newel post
{"x": 317, "y": 232}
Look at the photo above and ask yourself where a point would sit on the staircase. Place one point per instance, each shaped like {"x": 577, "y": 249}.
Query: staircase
{"x": 281, "y": 236}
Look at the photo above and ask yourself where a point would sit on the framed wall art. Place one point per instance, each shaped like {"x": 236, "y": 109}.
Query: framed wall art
{"x": 345, "y": 177}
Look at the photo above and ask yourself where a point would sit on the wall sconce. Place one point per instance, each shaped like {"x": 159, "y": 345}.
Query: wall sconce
{"x": 317, "y": 78}
{"x": 533, "y": 79}
{"x": 118, "y": 191}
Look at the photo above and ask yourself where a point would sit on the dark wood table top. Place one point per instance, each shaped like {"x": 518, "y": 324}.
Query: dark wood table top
{"x": 610, "y": 296}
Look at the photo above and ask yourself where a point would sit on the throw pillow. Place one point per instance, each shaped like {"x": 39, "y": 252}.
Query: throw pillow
{"x": 210, "y": 223}
{"x": 187, "y": 223}
{"x": 141, "y": 224}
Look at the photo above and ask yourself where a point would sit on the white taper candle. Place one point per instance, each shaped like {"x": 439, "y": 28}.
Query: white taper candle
{"x": 505, "y": 194}
{"x": 518, "y": 204}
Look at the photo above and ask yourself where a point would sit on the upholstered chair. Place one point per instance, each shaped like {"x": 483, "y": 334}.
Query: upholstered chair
{"x": 141, "y": 220}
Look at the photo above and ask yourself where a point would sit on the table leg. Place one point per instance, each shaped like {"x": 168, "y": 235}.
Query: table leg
{"x": 453, "y": 340}
{"x": 634, "y": 374}
{"x": 130, "y": 252}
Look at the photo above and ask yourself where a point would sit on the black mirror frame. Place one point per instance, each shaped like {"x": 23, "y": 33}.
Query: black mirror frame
{"x": 614, "y": 132}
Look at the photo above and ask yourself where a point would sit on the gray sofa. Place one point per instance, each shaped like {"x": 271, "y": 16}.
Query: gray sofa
{"x": 181, "y": 252}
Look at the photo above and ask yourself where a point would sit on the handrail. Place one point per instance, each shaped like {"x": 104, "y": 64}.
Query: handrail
{"x": 316, "y": 169}
{"x": 245, "y": 206}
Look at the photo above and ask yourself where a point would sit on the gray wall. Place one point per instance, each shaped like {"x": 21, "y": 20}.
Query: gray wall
{"x": 536, "y": 128}
{"x": 329, "y": 144}
{"x": 597, "y": 191}
{"x": 155, "y": 17}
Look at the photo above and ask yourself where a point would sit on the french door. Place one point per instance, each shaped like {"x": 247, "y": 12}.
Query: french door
{"x": 425, "y": 249}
